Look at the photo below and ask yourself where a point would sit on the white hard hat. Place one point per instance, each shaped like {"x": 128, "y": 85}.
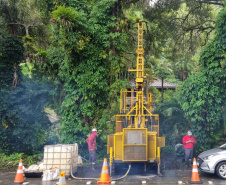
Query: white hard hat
{"x": 94, "y": 130}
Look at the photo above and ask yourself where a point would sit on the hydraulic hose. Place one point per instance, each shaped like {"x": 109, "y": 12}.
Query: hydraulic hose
{"x": 72, "y": 162}
{"x": 123, "y": 175}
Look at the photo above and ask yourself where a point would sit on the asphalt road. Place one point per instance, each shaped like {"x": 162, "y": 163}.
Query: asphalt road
{"x": 170, "y": 177}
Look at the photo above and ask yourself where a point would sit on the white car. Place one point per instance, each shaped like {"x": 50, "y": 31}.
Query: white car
{"x": 213, "y": 161}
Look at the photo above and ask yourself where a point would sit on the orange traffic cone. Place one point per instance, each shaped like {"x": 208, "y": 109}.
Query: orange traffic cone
{"x": 62, "y": 180}
{"x": 195, "y": 174}
{"x": 104, "y": 177}
{"x": 19, "y": 174}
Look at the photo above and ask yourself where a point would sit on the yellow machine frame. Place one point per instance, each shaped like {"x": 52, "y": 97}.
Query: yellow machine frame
{"x": 137, "y": 129}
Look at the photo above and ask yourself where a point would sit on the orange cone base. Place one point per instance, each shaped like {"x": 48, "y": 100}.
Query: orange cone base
{"x": 19, "y": 179}
{"x": 195, "y": 182}
{"x": 104, "y": 182}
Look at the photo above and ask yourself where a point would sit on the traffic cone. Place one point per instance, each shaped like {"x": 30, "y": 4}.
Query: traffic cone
{"x": 104, "y": 177}
{"x": 195, "y": 174}
{"x": 62, "y": 180}
{"x": 19, "y": 174}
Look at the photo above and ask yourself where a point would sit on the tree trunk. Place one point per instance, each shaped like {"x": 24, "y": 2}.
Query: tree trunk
{"x": 27, "y": 30}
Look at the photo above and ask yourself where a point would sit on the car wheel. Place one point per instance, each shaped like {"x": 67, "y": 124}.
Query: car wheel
{"x": 221, "y": 170}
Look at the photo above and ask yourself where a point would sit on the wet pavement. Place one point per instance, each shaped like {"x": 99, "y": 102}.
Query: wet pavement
{"x": 170, "y": 177}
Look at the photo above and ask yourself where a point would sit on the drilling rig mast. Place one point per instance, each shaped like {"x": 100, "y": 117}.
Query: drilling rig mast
{"x": 136, "y": 138}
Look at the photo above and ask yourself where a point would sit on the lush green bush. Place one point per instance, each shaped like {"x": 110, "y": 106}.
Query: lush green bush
{"x": 11, "y": 162}
{"x": 83, "y": 61}
{"x": 202, "y": 95}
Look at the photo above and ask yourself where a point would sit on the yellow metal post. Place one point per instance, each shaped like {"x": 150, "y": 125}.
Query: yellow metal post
{"x": 111, "y": 159}
{"x": 158, "y": 155}
{"x": 111, "y": 156}
{"x": 121, "y": 101}
{"x": 124, "y": 101}
{"x": 159, "y": 162}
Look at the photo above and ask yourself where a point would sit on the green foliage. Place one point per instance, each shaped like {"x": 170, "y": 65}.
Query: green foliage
{"x": 203, "y": 94}
{"x": 83, "y": 62}
{"x": 177, "y": 30}
{"x": 32, "y": 159}
{"x": 50, "y": 5}
{"x": 163, "y": 72}
{"x": 27, "y": 68}
{"x": 86, "y": 52}
{"x": 11, "y": 162}
{"x": 68, "y": 14}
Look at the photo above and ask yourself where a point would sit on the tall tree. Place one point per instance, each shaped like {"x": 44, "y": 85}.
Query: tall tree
{"x": 203, "y": 94}
{"x": 83, "y": 61}
{"x": 178, "y": 29}
{"x": 22, "y": 100}
{"x": 21, "y": 16}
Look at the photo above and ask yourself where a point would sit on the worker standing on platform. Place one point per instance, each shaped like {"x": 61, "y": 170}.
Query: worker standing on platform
{"x": 92, "y": 146}
{"x": 188, "y": 142}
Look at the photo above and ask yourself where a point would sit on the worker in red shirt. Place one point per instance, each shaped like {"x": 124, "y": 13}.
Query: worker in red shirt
{"x": 188, "y": 142}
{"x": 92, "y": 146}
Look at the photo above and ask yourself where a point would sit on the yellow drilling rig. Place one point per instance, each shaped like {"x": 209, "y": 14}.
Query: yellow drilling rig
{"x": 136, "y": 138}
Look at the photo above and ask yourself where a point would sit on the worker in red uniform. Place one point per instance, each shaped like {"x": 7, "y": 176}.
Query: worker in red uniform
{"x": 92, "y": 146}
{"x": 188, "y": 142}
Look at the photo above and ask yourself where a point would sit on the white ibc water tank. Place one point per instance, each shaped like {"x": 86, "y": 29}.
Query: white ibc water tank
{"x": 60, "y": 157}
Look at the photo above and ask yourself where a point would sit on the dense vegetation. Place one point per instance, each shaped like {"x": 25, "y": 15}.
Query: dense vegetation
{"x": 203, "y": 94}
{"x": 72, "y": 57}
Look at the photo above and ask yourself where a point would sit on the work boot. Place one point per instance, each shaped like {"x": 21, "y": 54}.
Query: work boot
{"x": 187, "y": 164}
{"x": 190, "y": 162}
{"x": 93, "y": 166}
